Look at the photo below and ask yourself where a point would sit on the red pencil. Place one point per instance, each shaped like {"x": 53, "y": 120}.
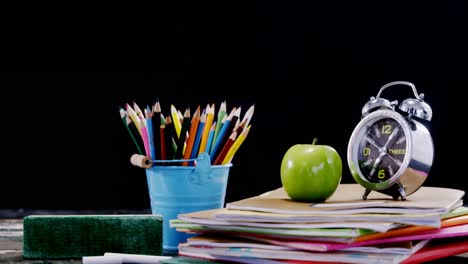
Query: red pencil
{"x": 162, "y": 134}
{"x": 225, "y": 149}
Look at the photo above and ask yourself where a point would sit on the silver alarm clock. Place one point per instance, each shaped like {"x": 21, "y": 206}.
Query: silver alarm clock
{"x": 391, "y": 151}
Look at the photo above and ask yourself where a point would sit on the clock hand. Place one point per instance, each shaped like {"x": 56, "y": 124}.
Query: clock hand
{"x": 392, "y": 137}
{"x": 383, "y": 150}
{"x": 397, "y": 162}
{"x": 370, "y": 140}
{"x": 377, "y": 162}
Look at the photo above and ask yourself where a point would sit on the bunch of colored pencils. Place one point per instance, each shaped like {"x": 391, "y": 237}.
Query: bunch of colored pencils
{"x": 184, "y": 136}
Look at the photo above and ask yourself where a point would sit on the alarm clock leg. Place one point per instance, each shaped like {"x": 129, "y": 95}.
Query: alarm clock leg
{"x": 366, "y": 193}
{"x": 401, "y": 190}
{"x": 398, "y": 192}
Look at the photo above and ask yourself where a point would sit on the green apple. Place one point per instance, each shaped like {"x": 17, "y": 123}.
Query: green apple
{"x": 311, "y": 172}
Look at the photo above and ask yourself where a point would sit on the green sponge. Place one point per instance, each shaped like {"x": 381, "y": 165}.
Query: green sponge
{"x": 75, "y": 236}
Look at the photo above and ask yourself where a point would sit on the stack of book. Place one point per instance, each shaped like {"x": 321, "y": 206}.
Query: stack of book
{"x": 271, "y": 228}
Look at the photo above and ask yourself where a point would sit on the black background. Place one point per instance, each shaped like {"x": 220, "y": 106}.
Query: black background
{"x": 308, "y": 69}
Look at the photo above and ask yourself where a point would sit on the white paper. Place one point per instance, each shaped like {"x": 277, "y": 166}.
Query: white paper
{"x": 102, "y": 260}
{"x": 137, "y": 258}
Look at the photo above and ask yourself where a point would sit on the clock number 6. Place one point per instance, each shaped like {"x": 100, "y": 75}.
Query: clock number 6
{"x": 381, "y": 174}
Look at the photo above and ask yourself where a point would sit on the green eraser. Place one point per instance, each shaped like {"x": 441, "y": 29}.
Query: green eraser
{"x": 76, "y": 236}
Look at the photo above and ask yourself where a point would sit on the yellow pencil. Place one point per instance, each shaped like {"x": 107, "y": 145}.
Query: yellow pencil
{"x": 136, "y": 120}
{"x": 227, "y": 159}
{"x": 175, "y": 120}
{"x": 206, "y": 130}
{"x": 139, "y": 112}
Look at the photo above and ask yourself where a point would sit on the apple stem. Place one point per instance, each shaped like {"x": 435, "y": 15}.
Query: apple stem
{"x": 315, "y": 141}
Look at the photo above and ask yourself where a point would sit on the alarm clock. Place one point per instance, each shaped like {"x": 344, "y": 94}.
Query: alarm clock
{"x": 391, "y": 150}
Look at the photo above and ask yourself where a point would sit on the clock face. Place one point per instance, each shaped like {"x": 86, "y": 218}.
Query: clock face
{"x": 381, "y": 150}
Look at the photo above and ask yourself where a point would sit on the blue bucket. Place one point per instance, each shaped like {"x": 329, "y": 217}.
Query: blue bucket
{"x": 175, "y": 190}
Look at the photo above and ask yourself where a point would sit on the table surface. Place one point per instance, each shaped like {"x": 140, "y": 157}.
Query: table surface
{"x": 11, "y": 244}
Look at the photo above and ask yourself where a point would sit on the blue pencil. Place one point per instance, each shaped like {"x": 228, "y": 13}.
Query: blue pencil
{"x": 220, "y": 138}
{"x": 149, "y": 126}
{"x": 209, "y": 141}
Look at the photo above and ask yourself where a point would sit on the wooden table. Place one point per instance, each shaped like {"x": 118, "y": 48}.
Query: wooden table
{"x": 11, "y": 244}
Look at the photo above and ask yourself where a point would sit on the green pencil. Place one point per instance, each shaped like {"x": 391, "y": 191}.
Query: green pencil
{"x": 221, "y": 114}
{"x": 126, "y": 120}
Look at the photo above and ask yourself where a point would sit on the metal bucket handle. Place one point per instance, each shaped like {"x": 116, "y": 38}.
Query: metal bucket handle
{"x": 201, "y": 172}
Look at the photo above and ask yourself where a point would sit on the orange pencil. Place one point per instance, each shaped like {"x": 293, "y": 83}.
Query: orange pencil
{"x": 225, "y": 149}
{"x": 192, "y": 135}
{"x": 198, "y": 136}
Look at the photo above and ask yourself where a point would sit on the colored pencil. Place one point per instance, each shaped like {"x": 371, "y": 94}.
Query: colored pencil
{"x": 139, "y": 112}
{"x": 183, "y": 133}
{"x": 176, "y": 121}
{"x": 239, "y": 127}
{"x": 209, "y": 141}
{"x": 196, "y": 143}
{"x": 232, "y": 124}
{"x": 135, "y": 132}
{"x": 248, "y": 115}
{"x": 218, "y": 143}
{"x": 235, "y": 118}
{"x": 179, "y": 114}
{"x": 127, "y": 121}
{"x": 144, "y": 135}
{"x": 185, "y": 143}
{"x": 162, "y": 141}
{"x": 235, "y": 146}
{"x": 156, "y": 127}
{"x": 131, "y": 113}
{"x": 192, "y": 135}
{"x": 225, "y": 149}
{"x": 169, "y": 134}
{"x": 206, "y": 130}
{"x": 221, "y": 114}
{"x": 151, "y": 138}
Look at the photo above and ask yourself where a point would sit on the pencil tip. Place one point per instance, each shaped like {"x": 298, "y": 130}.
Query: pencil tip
{"x": 122, "y": 112}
